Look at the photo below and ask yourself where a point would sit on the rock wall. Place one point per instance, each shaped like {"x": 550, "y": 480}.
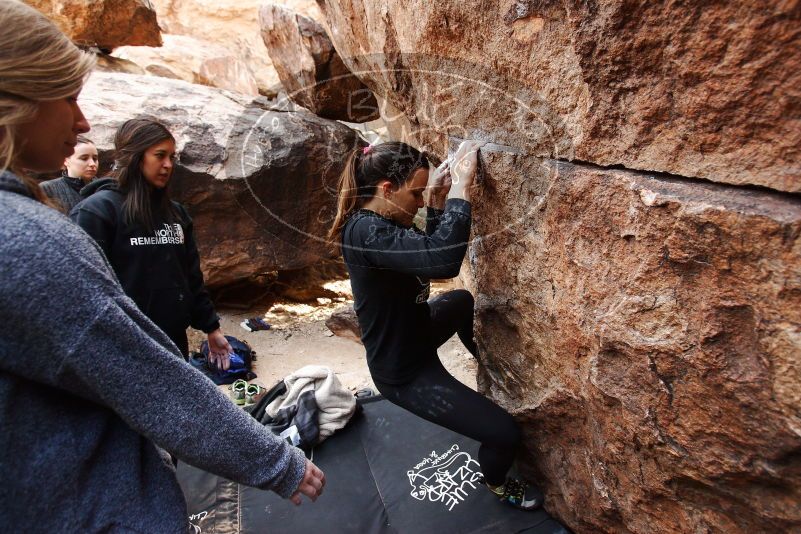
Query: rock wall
{"x": 311, "y": 71}
{"x": 646, "y": 330}
{"x": 638, "y": 300}
{"x": 694, "y": 89}
{"x": 258, "y": 180}
{"x": 232, "y": 24}
{"x": 106, "y": 24}
{"x": 195, "y": 61}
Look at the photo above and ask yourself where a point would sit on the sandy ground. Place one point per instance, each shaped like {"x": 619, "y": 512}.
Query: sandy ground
{"x": 299, "y": 337}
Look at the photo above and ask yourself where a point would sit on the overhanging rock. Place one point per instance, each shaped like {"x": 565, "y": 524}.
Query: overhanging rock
{"x": 693, "y": 89}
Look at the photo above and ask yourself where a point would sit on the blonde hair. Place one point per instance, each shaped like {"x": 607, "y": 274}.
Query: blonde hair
{"x": 37, "y": 63}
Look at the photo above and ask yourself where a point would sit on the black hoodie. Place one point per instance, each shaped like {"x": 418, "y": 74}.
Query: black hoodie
{"x": 390, "y": 267}
{"x": 159, "y": 270}
{"x": 96, "y": 185}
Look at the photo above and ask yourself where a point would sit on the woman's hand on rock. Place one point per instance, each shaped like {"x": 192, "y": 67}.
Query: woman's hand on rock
{"x": 439, "y": 183}
{"x": 463, "y": 168}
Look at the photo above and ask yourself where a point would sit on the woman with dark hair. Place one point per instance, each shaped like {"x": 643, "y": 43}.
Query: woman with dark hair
{"x": 148, "y": 238}
{"x": 79, "y": 169}
{"x": 390, "y": 263}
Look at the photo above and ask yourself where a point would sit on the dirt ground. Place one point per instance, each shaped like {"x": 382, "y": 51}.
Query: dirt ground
{"x": 299, "y": 337}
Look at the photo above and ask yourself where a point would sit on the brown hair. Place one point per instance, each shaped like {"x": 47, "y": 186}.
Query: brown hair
{"x": 365, "y": 167}
{"x": 37, "y": 63}
{"x": 131, "y": 141}
{"x": 83, "y": 140}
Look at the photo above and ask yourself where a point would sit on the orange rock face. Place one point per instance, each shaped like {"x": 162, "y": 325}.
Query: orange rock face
{"x": 646, "y": 331}
{"x": 311, "y": 70}
{"x": 195, "y": 61}
{"x": 703, "y": 91}
{"x": 106, "y": 24}
{"x": 638, "y": 300}
{"x": 233, "y": 24}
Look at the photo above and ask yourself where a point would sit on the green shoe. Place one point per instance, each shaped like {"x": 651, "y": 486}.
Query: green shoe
{"x": 238, "y": 389}
{"x": 251, "y": 391}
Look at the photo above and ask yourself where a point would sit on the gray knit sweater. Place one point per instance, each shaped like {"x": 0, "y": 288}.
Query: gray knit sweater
{"x": 90, "y": 388}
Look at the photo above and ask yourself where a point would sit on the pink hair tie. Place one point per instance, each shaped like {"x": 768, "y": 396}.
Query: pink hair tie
{"x": 367, "y": 149}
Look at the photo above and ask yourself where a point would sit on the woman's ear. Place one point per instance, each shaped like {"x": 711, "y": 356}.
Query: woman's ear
{"x": 386, "y": 188}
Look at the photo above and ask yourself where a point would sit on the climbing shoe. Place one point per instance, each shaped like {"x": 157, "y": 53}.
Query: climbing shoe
{"x": 364, "y": 393}
{"x": 238, "y": 389}
{"x": 251, "y": 392}
{"x": 518, "y": 494}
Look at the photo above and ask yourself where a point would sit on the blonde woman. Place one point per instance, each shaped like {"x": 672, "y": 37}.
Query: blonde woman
{"x": 90, "y": 402}
{"x": 79, "y": 169}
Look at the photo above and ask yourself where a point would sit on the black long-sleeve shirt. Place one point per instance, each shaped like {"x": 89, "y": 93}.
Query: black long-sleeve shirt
{"x": 390, "y": 267}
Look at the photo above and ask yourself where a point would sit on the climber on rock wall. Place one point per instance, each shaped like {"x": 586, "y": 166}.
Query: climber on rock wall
{"x": 390, "y": 263}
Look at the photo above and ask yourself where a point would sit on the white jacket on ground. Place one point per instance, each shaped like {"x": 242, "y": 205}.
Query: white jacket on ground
{"x": 335, "y": 402}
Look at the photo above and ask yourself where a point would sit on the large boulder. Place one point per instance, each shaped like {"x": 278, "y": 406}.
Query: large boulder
{"x": 344, "y": 323}
{"x": 310, "y": 70}
{"x": 106, "y": 24}
{"x": 195, "y": 61}
{"x": 644, "y": 327}
{"x": 258, "y": 180}
{"x": 109, "y": 63}
{"x": 688, "y": 88}
{"x": 233, "y": 24}
{"x": 646, "y": 332}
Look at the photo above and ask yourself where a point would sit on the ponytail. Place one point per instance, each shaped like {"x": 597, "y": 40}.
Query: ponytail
{"x": 346, "y": 195}
{"x": 365, "y": 167}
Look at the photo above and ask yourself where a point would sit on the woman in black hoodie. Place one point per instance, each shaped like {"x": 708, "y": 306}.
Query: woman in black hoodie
{"x": 148, "y": 238}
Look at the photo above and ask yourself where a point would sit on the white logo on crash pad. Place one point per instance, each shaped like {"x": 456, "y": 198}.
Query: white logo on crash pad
{"x": 445, "y": 477}
{"x": 197, "y": 518}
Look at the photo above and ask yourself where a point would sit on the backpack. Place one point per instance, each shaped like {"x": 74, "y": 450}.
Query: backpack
{"x": 241, "y": 362}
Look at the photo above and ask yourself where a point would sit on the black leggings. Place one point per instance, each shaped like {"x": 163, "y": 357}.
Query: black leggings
{"x": 438, "y": 397}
